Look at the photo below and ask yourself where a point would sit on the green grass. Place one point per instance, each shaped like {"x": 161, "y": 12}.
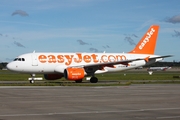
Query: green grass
{"x": 119, "y": 78}
{"x": 6, "y": 75}
{"x": 142, "y": 75}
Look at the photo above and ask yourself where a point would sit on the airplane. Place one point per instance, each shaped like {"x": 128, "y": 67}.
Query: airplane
{"x": 76, "y": 66}
{"x": 158, "y": 68}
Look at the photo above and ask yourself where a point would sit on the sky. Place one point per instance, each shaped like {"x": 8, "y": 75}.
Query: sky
{"x": 113, "y": 26}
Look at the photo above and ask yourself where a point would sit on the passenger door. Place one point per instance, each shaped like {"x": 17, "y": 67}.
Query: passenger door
{"x": 34, "y": 60}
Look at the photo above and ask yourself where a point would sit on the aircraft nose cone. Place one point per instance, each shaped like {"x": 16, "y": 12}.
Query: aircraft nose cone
{"x": 10, "y": 66}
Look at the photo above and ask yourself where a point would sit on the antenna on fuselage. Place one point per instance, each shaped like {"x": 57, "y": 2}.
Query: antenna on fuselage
{"x": 34, "y": 51}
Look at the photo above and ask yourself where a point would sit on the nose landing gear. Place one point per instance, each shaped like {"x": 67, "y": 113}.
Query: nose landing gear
{"x": 32, "y": 78}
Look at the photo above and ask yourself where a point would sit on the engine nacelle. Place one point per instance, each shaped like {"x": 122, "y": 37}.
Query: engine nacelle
{"x": 53, "y": 76}
{"x": 74, "y": 73}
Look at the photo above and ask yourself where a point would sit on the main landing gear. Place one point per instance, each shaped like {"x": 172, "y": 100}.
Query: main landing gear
{"x": 93, "y": 79}
{"x": 79, "y": 81}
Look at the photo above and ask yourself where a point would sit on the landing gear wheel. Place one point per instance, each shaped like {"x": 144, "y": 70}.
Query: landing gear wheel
{"x": 79, "y": 81}
{"x": 31, "y": 81}
{"x": 94, "y": 80}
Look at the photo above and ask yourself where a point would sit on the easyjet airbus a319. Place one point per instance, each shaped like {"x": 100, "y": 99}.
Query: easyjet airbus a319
{"x": 76, "y": 66}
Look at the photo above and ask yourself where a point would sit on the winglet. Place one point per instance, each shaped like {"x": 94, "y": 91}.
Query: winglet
{"x": 148, "y": 42}
{"x": 147, "y": 59}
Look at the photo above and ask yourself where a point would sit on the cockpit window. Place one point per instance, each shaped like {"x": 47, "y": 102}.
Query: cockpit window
{"x": 19, "y": 59}
{"x": 15, "y": 59}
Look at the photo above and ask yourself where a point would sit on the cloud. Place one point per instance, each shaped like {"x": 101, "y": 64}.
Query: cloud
{"x": 175, "y": 19}
{"x": 93, "y": 49}
{"x": 8, "y": 36}
{"x": 82, "y": 42}
{"x": 19, "y": 44}
{"x": 129, "y": 39}
{"x": 107, "y": 46}
{"x": 177, "y": 33}
{"x": 20, "y": 12}
{"x": 133, "y": 35}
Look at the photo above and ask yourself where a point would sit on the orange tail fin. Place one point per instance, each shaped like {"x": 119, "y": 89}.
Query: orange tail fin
{"x": 147, "y": 43}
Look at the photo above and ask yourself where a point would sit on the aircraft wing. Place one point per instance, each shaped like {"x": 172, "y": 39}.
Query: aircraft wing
{"x": 109, "y": 64}
{"x": 160, "y": 57}
{"x": 150, "y": 60}
{"x": 101, "y": 65}
{"x": 124, "y": 62}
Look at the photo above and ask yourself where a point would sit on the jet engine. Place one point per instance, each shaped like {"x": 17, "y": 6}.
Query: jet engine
{"x": 53, "y": 76}
{"x": 74, "y": 73}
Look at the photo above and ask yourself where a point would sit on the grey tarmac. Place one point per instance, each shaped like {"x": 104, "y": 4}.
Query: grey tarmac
{"x": 134, "y": 102}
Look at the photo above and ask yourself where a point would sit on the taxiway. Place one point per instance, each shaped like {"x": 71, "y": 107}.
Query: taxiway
{"x": 133, "y": 102}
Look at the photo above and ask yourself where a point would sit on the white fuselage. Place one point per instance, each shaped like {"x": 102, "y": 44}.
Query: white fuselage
{"x": 47, "y": 63}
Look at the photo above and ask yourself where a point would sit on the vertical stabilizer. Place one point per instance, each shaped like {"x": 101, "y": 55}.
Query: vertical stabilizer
{"x": 147, "y": 44}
